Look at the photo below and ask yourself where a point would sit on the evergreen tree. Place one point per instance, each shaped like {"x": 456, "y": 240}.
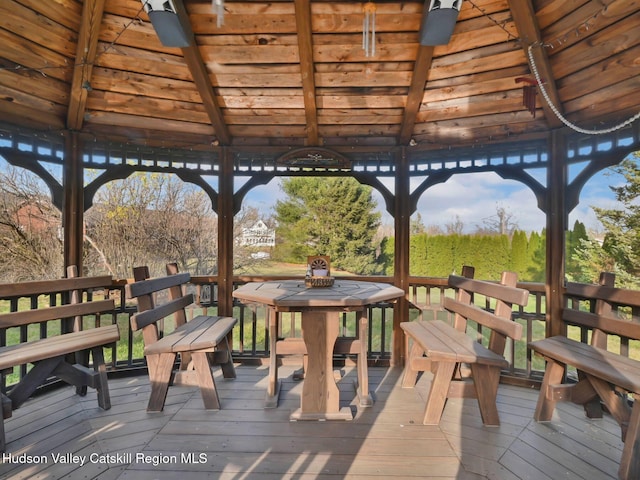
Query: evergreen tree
{"x": 537, "y": 254}
{"x": 328, "y": 216}
{"x": 620, "y": 248}
{"x": 574, "y": 239}
{"x": 519, "y": 254}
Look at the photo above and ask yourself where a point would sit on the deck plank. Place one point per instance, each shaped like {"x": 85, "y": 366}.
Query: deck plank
{"x": 244, "y": 440}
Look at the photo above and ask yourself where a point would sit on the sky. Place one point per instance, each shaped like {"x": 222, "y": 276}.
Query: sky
{"x": 475, "y": 198}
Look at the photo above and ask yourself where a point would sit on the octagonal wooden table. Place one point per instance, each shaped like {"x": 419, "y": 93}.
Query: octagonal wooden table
{"x": 320, "y": 308}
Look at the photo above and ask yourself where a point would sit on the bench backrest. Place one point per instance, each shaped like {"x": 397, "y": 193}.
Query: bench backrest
{"x": 70, "y": 313}
{"x": 603, "y": 317}
{"x": 500, "y": 323}
{"x": 145, "y": 289}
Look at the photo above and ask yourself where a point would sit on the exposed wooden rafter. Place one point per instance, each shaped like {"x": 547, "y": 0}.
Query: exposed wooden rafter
{"x": 202, "y": 79}
{"x": 303, "y": 24}
{"x": 86, "y": 49}
{"x": 416, "y": 92}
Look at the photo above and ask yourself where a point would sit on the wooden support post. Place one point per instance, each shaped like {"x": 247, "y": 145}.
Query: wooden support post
{"x": 402, "y": 215}
{"x": 73, "y": 202}
{"x": 556, "y": 227}
{"x": 225, "y": 235}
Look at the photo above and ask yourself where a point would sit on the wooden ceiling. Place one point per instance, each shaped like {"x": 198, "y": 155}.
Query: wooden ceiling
{"x": 293, "y": 73}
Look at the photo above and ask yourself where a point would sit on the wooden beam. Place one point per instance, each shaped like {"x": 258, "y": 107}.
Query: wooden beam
{"x": 416, "y": 90}
{"x": 225, "y": 234}
{"x": 524, "y": 17}
{"x": 402, "y": 220}
{"x": 73, "y": 201}
{"x": 555, "y": 240}
{"x": 202, "y": 79}
{"x": 86, "y": 49}
{"x": 303, "y": 24}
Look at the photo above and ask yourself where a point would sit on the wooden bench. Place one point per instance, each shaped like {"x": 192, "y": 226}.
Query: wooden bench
{"x": 445, "y": 348}
{"x": 64, "y": 356}
{"x": 200, "y": 342}
{"x": 603, "y": 376}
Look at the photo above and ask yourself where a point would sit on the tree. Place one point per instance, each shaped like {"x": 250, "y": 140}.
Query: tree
{"x": 328, "y": 216}
{"x": 416, "y": 227}
{"x": 502, "y": 223}
{"x": 519, "y": 254}
{"x": 150, "y": 219}
{"x": 574, "y": 240}
{"x": 619, "y": 251}
{"x": 455, "y": 227}
{"x": 30, "y": 229}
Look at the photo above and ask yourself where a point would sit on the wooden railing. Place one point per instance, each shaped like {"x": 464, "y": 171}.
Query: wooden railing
{"x": 250, "y": 342}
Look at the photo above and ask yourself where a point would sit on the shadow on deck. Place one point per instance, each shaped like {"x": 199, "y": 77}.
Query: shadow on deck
{"x": 60, "y": 435}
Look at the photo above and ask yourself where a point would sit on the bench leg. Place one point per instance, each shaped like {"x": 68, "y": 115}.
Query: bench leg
{"x": 3, "y": 439}
{"x": 102, "y": 387}
{"x": 592, "y": 406}
{"x": 33, "y": 379}
{"x": 160, "y": 369}
{"x": 82, "y": 358}
{"x": 5, "y": 404}
{"x": 273, "y": 385}
{"x": 553, "y": 374}
{"x": 228, "y": 370}
{"x": 486, "y": 379}
{"x": 630, "y": 461}
{"x": 205, "y": 380}
{"x": 410, "y": 376}
{"x": 617, "y": 405}
{"x": 438, "y": 392}
{"x": 362, "y": 387}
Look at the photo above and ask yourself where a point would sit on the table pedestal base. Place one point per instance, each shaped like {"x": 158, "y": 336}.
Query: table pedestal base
{"x": 343, "y": 414}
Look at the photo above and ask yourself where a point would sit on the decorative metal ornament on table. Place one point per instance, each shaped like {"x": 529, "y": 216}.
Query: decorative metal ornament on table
{"x": 318, "y": 272}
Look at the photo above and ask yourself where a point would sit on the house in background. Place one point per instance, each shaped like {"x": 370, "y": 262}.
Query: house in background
{"x": 260, "y": 235}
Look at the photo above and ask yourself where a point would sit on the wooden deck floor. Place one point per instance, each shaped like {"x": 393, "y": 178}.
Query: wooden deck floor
{"x": 244, "y": 441}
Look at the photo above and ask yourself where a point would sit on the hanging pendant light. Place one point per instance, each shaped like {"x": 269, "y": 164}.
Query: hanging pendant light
{"x": 369, "y": 29}
{"x": 167, "y": 24}
{"x": 439, "y": 21}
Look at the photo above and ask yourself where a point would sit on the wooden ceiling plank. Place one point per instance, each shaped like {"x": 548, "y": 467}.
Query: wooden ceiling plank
{"x": 87, "y": 47}
{"x": 303, "y": 24}
{"x": 524, "y": 17}
{"x": 203, "y": 80}
{"x": 161, "y": 124}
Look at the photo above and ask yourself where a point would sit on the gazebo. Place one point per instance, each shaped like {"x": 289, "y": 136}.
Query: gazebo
{"x": 389, "y": 92}
{"x": 312, "y": 87}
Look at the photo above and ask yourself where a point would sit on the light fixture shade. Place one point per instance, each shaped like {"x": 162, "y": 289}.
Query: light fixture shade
{"x": 166, "y": 23}
{"x": 439, "y": 21}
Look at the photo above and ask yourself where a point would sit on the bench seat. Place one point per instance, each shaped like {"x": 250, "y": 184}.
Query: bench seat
{"x": 200, "y": 333}
{"x": 197, "y": 344}
{"x": 608, "y": 366}
{"x": 52, "y": 347}
{"x": 64, "y": 356}
{"x": 444, "y": 348}
{"x": 603, "y": 376}
{"x": 442, "y": 343}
